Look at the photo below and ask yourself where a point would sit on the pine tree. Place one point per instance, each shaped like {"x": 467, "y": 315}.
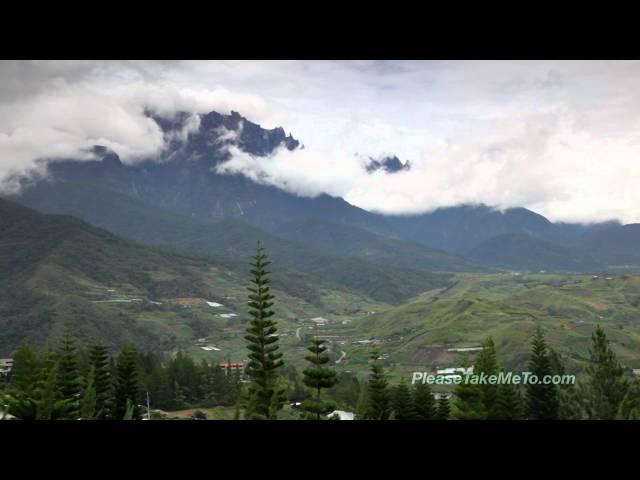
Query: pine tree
{"x": 346, "y": 391}
{"x": 362, "y": 404}
{"x": 265, "y": 396}
{"x": 424, "y": 404}
{"x": 156, "y": 381}
{"x": 299, "y": 392}
{"x": 541, "y": 399}
{"x": 444, "y": 410}
{"x": 27, "y": 377}
{"x": 27, "y": 368}
{"x": 50, "y": 404}
{"x": 569, "y": 400}
{"x": 378, "y": 402}
{"x": 468, "y": 404}
{"x": 487, "y": 363}
{"x": 88, "y": 399}
{"x": 99, "y": 359}
{"x": 68, "y": 375}
{"x": 127, "y": 387}
{"x": 402, "y": 402}
{"x": 318, "y": 377}
{"x": 606, "y": 384}
{"x": 630, "y": 405}
{"x": 509, "y": 404}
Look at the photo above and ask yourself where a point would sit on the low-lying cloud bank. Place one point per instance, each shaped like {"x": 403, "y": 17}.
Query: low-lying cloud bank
{"x": 543, "y": 164}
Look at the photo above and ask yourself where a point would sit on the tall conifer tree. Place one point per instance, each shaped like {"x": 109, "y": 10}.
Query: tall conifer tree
{"x": 487, "y": 363}
{"x": 424, "y": 405}
{"x": 541, "y": 399}
{"x": 265, "y": 395}
{"x": 444, "y": 409}
{"x": 606, "y": 383}
{"x": 570, "y": 403}
{"x": 127, "y": 386}
{"x": 630, "y": 405}
{"x": 468, "y": 402}
{"x": 51, "y": 406}
{"x": 402, "y": 402}
{"x": 509, "y": 404}
{"x": 318, "y": 377}
{"x": 88, "y": 398}
{"x": 68, "y": 375}
{"x": 99, "y": 359}
{"x": 27, "y": 377}
{"x": 378, "y": 401}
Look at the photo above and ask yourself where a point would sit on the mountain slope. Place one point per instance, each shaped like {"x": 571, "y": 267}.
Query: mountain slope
{"x": 135, "y": 220}
{"x": 59, "y": 272}
{"x": 525, "y": 252}
{"x": 183, "y": 178}
{"x": 459, "y": 229}
{"x": 182, "y": 181}
{"x": 617, "y": 245}
{"x": 421, "y": 333}
{"x": 53, "y": 266}
{"x": 341, "y": 239}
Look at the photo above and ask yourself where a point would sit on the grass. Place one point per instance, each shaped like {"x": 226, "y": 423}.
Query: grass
{"x": 509, "y": 308}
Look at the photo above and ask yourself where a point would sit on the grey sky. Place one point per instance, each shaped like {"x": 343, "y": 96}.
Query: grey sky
{"x": 559, "y": 137}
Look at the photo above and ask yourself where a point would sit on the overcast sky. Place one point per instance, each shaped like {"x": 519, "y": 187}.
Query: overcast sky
{"x": 561, "y": 138}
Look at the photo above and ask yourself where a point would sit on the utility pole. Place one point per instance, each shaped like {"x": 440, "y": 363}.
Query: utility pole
{"x": 148, "y": 411}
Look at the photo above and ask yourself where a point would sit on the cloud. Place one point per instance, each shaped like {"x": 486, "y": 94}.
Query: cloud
{"x": 559, "y": 137}
{"x": 51, "y": 110}
{"x": 191, "y": 125}
{"x": 546, "y": 162}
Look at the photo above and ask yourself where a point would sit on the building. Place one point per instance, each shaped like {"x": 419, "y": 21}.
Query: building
{"x": 6, "y": 365}
{"x": 342, "y": 414}
{"x": 438, "y": 395}
{"x": 232, "y": 367}
{"x": 320, "y": 321}
{"x": 451, "y": 371}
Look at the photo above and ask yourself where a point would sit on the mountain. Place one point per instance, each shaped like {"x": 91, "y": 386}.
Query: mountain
{"x": 129, "y": 217}
{"x": 57, "y": 269}
{"x": 423, "y": 333}
{"x": 60, "y": 272}
{"x": 340, "y": 239}
{"x": 390, "y": 164}
{"x": 459, "y": 229}
{"x": 151, "y": 200}
{"x": 183, "y": 179}
{"x": 518, "y": 238}
{"x": 618, "y": 245}
{"x": 525, "y": 252}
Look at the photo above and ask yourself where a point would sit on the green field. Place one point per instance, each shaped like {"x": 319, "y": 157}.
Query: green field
{"x": 416, "y": 336}
{"x": 507, "y": 307}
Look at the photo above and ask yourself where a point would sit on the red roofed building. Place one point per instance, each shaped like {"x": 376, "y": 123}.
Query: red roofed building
{"x": 233, "y": 367}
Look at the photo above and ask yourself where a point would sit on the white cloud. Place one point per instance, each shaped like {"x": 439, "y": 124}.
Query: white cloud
{"x": 191, "y": 125}
{"x": 561, "y": 138}
{"x": 51, "y": 110}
